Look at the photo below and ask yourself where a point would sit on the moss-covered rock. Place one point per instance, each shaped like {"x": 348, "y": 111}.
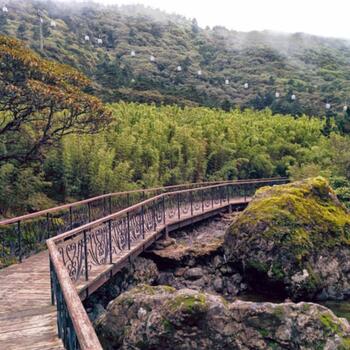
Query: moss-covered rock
{"x": 295, "y": 236}
{"x": 161, "y": 318}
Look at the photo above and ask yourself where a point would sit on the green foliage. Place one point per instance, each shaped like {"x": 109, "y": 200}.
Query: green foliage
{"x": 147, "y": 146}
{"x": 192, "y": 304}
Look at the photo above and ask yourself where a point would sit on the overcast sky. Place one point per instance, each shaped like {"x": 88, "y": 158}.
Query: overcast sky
{"x": 321, "y": 17}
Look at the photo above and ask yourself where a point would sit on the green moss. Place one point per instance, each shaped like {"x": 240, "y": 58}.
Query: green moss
{"x": 127, "y": 301}
{"x": 189, "y": 303}
{"x": 150, "y": 290}
{"x": 277, "y": 271}
{"x": 345, "y": 344}
{"x": 263, "y": 332}
{"x": 306, "y": 307}
{"x": 273, "y": 345}
{"x": 169, "y": 289}
{"x": 258, "y": 265}
{"x": 329, "y": 324}
{"x": 168, "y": 326}
{"x": 299, "y": 217}
{"x": 278, "y": 311}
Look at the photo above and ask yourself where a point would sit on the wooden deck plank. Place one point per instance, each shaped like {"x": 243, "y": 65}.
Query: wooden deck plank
{"x": 27, "y": 318}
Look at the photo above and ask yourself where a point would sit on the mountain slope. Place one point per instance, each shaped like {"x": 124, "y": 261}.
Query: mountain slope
{"x": 316, "y": 70}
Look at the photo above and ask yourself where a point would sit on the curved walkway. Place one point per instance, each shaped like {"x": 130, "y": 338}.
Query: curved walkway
{"x": 27, "y": 318}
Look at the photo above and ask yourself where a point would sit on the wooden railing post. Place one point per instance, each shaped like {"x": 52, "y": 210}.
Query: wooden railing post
{"x": 178, "y": 205}
{"x": 212, "y": 197}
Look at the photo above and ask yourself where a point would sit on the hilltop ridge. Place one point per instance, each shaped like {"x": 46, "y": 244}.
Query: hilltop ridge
{"x": 100, "y": 40}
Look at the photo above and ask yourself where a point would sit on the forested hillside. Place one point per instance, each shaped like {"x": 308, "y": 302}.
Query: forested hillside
{"x": 139, "y": 54}
{"x": 60, "y": 143}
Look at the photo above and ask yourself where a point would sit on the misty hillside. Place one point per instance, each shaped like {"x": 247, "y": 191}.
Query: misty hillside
{"x": 114, "y": 45}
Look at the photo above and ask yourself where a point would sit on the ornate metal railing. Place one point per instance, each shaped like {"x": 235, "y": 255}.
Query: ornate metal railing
{"x": 78, "y": 255}
{"x": 22, "y": 236}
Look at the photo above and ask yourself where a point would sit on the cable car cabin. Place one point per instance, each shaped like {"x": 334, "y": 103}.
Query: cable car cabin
{"x": 99, "y": 41}
{"x": 246, "y": 85}
{"x": 133, "y": 53}
{"x": 227, "y": 82}
{"x": 87, "y": 38}
{"x": 53, "y": 23}
{"x": 328, "y": 106}
{"x": 277, "y": 94}
{"x": 293, "y": 97}
{"x": 199, "y": 72}
{"x": 152, "y": 58}
{"x": 5, "y": 9}
{"x": 345, "y": 108}
{"x": 179, "y": 68}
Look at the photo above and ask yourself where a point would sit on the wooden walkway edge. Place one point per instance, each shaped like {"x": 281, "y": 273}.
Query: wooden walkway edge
{"x": 27, "y": 318}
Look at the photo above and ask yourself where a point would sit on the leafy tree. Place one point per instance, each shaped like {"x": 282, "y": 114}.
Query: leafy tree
{"x": 40, "y": 102}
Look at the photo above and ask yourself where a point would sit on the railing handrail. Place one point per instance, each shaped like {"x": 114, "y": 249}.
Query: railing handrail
{"x": 83, "y": 328}
{"x": 85, "y": 332}
{"x": 112, "y": 194}
{"x": 107, "y": 218}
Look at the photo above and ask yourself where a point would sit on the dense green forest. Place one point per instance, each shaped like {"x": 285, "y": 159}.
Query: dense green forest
{"x": 101, "y": 42}
{"x": 148, "y": 145}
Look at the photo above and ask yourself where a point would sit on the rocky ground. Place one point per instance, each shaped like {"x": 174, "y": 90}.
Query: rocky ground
{"x": 195, "y": 259}
{"x": 165, "y": 318}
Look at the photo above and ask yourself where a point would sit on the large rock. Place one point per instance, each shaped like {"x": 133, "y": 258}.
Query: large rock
{"x": 141, "y": 270}
{"x": 163, "y": 318}
{"x": 295, "y": 237}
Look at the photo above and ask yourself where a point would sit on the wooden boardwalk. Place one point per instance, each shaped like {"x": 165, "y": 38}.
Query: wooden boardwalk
{"x": 27, "y": 318}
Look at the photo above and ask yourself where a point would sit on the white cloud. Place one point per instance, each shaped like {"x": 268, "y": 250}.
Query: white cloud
{"x": 321, "y": 17}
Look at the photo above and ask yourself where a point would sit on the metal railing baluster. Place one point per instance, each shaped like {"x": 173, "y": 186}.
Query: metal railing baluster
{"x": 110, "y": 241}
{"x": 86, "y": 257}
{"x": 128, "y": 230}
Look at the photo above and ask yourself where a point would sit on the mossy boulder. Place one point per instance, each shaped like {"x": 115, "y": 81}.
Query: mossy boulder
{"x": 295, "y": 237}
{"x": 164, "y": 318}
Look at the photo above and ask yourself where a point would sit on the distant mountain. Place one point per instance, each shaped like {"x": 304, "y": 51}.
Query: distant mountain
{"x": 141, "y": 54}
